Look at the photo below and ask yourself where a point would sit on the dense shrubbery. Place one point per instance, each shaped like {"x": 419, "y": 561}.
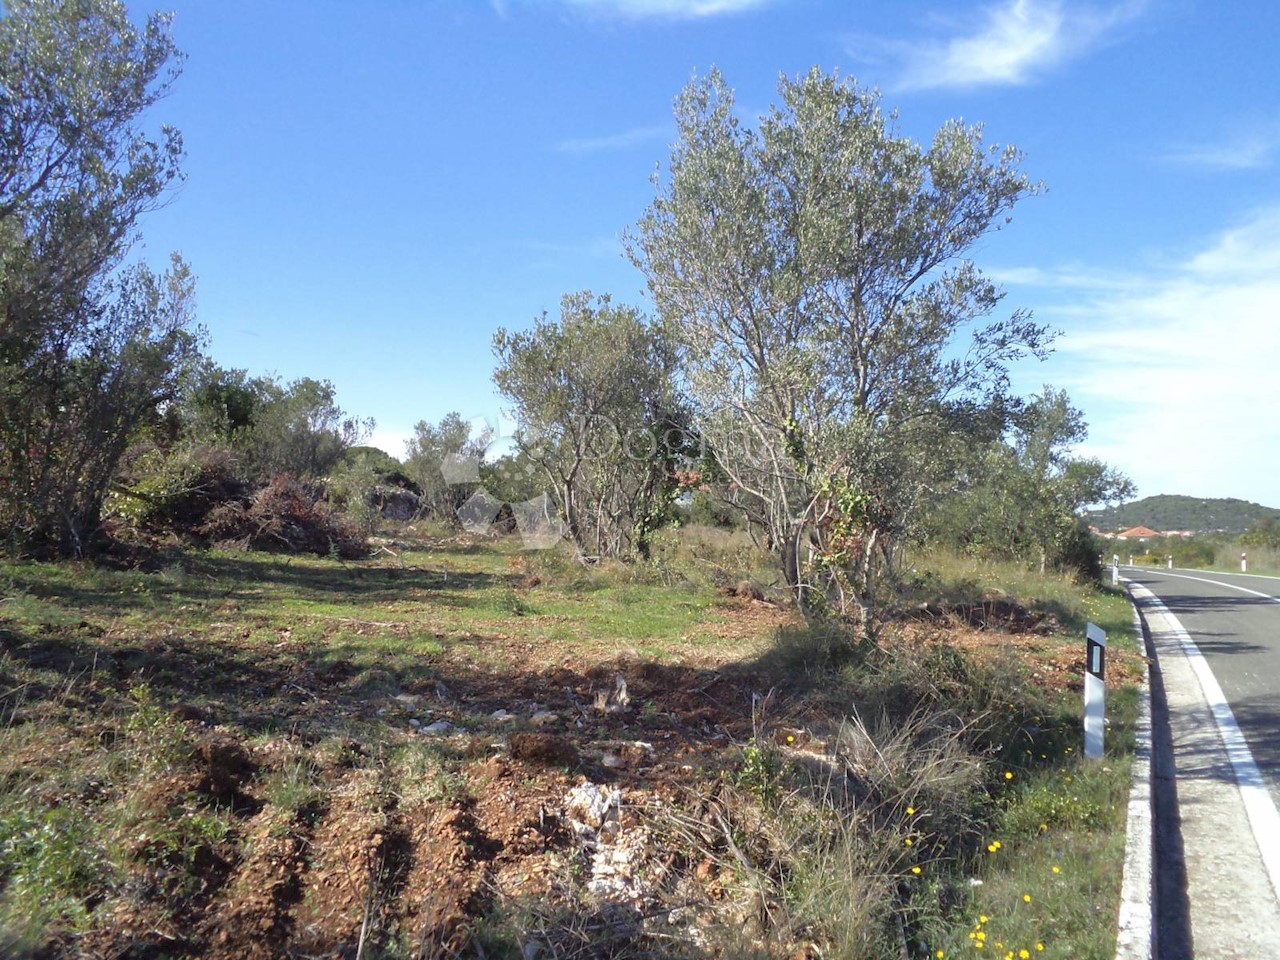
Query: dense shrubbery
{"x": 286, "y": 516}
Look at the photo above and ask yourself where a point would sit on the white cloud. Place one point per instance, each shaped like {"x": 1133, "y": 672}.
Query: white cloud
{"x": 667, "y": 9}
{"x": 1179, "y": 375}
{"x": 614, "y": 141}
{"x": 390, "y": 441}
{"x": 1015, "y": 42}
{"x": 1254, "y": 149}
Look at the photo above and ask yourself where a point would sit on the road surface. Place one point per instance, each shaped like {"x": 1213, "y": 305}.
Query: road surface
{"x": 1216, "y": 688}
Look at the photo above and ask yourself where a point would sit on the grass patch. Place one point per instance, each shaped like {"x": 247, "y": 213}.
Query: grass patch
{"x": 284, "y": 748}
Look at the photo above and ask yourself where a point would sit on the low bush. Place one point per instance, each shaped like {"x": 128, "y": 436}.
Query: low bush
{"x": 284, "y": 516}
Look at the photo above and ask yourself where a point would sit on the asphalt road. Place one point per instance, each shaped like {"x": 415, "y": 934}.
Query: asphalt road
{"x": 1216, "y": 761}
{"x": 1238, "y": 633}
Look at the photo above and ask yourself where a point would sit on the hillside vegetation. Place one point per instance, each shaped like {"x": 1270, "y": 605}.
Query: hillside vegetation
{"x": 1171, "y": 512}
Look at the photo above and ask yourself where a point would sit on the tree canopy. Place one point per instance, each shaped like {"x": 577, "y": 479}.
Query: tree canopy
{"x": 88, "y": 349}
{"x": 813, "y": 274}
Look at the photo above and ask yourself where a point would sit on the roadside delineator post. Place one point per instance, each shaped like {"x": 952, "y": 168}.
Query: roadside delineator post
{"x": 1244, "y": 563}
{"x": 1131, "y": 559}
{"x": 1095, "y": 691}
{"x": 1115, "y": 569}
{"x": 1171, "y": 561}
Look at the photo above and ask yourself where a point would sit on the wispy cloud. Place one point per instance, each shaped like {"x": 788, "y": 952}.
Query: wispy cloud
{"x": 1177, "y": 373}
{"x": 666, "y": 9}
{"x": 614, "y": 141}
{"x": 1254, "y": 150}
{"x": 1016, "y": 41}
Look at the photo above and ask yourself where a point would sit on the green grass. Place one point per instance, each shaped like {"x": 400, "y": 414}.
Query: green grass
{"x": 105, "y": 792}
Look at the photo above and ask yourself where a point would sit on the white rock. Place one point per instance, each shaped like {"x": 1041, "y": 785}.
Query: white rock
{"x": 440, "y": 726}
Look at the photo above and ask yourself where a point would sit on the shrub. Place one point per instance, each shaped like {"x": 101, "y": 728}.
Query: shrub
{"x": 175, "y": 488}
{"x": 284, "y": 516}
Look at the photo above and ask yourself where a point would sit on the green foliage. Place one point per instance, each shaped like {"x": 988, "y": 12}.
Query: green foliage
{"x": 89, "y": 349}
{"x": 1018, "y": 497}
{"x": 443, "y": 460}
{"x": 599, "y": 417}
{"x": 813, "y": 275}
{"x": 51, "y": 864}
{"x": 1263, "y": 533}
{"x": 299, "y": 429}
{"x": 760, "y": 772}
{"x": 174, "y": 487}
{"x": 1204, "y": 515}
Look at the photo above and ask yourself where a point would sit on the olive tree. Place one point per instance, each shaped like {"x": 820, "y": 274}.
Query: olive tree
{"x": 598, "y": 414}
{"x": 813, "y": 274}
{"x": 88, "y": 348}
{"x": 1020, "y": 495}
{"x": 444, "y": 460}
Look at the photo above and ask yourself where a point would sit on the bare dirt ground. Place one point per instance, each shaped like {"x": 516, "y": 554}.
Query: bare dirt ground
{"x": 554, "y": 805}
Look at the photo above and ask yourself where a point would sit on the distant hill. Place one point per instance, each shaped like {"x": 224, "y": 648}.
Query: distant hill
{"x": 1182, "y": 513}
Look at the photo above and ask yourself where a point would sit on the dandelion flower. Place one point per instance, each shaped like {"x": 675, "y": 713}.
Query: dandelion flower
{"x": 1056, "y": 868}
{"x": 1024, "y": 954}
{"x": 940, "y": 954}
{"x": 991, "y": 848}
{"x": 790, "y": 738}
{"x": 1008, "y": 774}
{"x": 916, "y": 871}
{"x": 909, "y": 842}
{"x": 910, "y": 811}
{"x": 981, "y": 935}
{"x": 1039, "y": 947}
{"x": 982, "y": 918}
{"x": 1026, "y": 898}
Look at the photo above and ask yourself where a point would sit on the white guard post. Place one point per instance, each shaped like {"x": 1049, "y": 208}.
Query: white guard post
{"x": 1115, "y": 569}
{"x": 1095, "y": 691}
{"x": 1244, "y": 563}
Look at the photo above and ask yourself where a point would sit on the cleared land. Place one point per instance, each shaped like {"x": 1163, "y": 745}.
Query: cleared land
{"x": 459, "y": 749}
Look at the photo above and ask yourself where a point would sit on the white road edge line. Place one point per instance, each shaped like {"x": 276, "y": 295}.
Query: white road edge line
{"x": 1264, "y": 819}
{"x": 1136, "y": 933}
{"x": 1222, "y": 583}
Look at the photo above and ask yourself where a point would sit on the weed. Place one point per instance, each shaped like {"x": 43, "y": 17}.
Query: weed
{"x": 52, "y": 866}
{"x": 760, "y": 772}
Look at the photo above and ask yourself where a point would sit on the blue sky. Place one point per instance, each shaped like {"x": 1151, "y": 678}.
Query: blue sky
{"x": 373, "y": 188}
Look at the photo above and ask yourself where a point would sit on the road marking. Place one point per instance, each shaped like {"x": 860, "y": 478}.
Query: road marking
{"x": 1221, "y": 583}
{"x": 1264, "y": 819}
{"x": 1134, "y": 934}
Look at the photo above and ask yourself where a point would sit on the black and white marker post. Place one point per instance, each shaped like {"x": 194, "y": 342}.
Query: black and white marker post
{"x": 1095, "y": 691}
